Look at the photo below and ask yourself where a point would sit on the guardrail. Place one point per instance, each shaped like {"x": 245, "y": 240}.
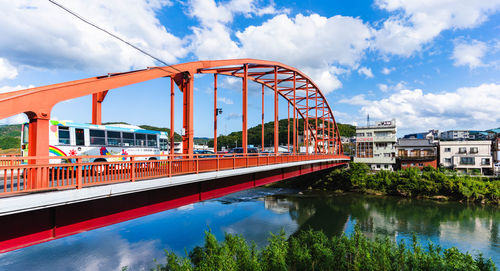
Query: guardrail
{"x": 31, "y": 174}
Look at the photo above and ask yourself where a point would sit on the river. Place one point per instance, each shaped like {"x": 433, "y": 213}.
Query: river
{"x": 254, "y": 214}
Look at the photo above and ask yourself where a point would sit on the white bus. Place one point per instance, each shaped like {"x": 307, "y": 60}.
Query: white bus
{"x": 70, "y": 139}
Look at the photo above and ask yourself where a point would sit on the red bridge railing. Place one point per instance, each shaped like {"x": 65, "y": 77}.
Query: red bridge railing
{"x": 32, "y": 174}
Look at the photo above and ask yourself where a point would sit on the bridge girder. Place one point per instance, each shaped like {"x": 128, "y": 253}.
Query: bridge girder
{"x": 38, "y": 102}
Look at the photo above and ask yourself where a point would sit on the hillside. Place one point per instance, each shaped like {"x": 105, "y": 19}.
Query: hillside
{"x": 10, "y": 137}
{"x": 254, "y": 134}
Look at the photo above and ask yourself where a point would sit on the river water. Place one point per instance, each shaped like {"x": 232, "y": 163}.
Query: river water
{"x": 254, "y": 214}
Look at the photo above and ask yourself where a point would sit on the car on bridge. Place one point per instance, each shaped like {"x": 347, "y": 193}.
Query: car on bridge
{"x": 206, "y": 153}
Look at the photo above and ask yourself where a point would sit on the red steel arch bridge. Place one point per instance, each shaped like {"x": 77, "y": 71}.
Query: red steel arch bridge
{"x": 33, "y": 189}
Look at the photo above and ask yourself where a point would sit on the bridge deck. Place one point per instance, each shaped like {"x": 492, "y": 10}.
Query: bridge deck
{"x": 34, "y": 201}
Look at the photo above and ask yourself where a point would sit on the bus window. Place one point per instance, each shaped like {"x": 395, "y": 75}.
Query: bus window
{"x": 128, "y": 139}
{"x": 97, "y": 137}
{"x": 152, "y": 141}
{"x": 114, "y": 138}
{"x": 140, "y": 140}
{"x": 63, "y": 135}
{"x": 163, "y": 144}
{"x": 25, "y": 133}
{"x": 80, "y": 138}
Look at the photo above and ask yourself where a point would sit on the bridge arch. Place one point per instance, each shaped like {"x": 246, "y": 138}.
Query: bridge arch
{"x": 288, "y": 82}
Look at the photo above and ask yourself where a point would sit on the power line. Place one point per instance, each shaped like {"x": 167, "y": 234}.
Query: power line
{"x": 111, "y": 34}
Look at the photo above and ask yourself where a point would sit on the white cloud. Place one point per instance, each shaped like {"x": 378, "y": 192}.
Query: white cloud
{"x": 465, "y": 108}
{"x": 7, "y": 71}
{"x": 14, "y": 88}
{"x": 225, "y": 100}
{"x": 356, "y": 100}
{"x": 16, "y": 119}
{"x": 385, "y": 88}
{"x": 49, "y": 37}
{"x": 469, "y": 54}
{"x": 387, "y": 71}
{"x": 416, "y": 23}
{"x": 366, "y": 72}
{"x": 320, "y": 46}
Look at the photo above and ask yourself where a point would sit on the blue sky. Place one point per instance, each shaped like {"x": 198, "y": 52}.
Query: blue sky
{"x": 429, "y": 64}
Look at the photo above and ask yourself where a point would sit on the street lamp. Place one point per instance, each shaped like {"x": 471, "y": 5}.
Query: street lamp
{"x": 218, "y": 111}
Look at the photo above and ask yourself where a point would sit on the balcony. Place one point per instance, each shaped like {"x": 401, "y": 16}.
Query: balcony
{"x": 384, "y": 139}
{"x": 418, "y": 158}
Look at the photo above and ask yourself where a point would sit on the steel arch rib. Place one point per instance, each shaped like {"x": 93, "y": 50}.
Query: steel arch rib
{"x": 40, "y": 100}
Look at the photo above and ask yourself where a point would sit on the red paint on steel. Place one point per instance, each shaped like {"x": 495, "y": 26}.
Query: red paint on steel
{"x": 18, "y": 230}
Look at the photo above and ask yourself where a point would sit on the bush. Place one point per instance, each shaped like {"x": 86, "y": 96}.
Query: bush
{"x": 313, "y": 250}
{"x": 412, "y": 182}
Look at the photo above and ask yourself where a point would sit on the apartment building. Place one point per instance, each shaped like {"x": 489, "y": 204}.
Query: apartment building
{"x": 496, "y": 154}
{"x": 376, "y": 145}
{"x": 416, "y": 153}
{"x": 454, "y": 135}
{"x": 466, "y": 155}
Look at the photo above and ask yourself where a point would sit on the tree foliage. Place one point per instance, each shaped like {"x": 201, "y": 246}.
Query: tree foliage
{"x": 412, "y": 182}
{"x": 313, "y": 250}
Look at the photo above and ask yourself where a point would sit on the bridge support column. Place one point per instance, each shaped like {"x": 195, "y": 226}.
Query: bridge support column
{"x": 39, "y": 146}
{"x": 215, "y": 113}
{"x": 244, "y": 134}
{"x": 262, "y": 130}
{"x": 97, "y": 99}
{"x": 188, "y": 133}
{"x": 294, "y": 115}
{"x": 276, "y": 120}
{"x": 172, "y": 116}
{"x": 307, "y": 134}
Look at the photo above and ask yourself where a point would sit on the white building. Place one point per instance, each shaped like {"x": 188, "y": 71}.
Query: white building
{"x": 455, "y": 135}
{"x": 466, "y": 155}
{"x": 376, "y": 145}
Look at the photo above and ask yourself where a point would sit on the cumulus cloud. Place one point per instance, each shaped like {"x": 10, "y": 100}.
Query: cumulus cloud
{"x": 366, "y": 72}
{"x": 49, "y": 37}
{"x": 7, "y": 71}
{"x": 387, "y": 71}
{"x": 225, "y": 100}
{"x": 468, "y": 107}
{"x": 356, "y": 100}
{"x": 16, "y": 119}
{"x": 385, "y": 88}
{"x": 469, "y": 54}
{"x": 416, "y": 23}
{"x": 318, "y": 45}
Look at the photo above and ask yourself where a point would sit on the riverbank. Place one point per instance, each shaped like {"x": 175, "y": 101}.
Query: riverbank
{"x": 430, "y": 184}
{"x": 313, "y": 250}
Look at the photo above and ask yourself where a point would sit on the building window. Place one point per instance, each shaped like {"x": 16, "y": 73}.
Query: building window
{"x": 386, "y": 166}
{"x": 473, "y": 150}
{"x": 114, "y": 138}
{"x": 97, "y": 137}
{"x": 378, "y": 166}
{"x": 64, "y": 135}
{"x": 387, "y": 155}
{"x": 364, "y": 149}
{"x": 485, "y": 161}
{"x": 368, "y": 134}
{"x": 447, "y": 149}
{"x": 462, "y": 150}
{"x": 447, "y": 160}
{"x": 467, "y": 161}
{"x": 360, "y": 134}
{"x": 420, "y": 164}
